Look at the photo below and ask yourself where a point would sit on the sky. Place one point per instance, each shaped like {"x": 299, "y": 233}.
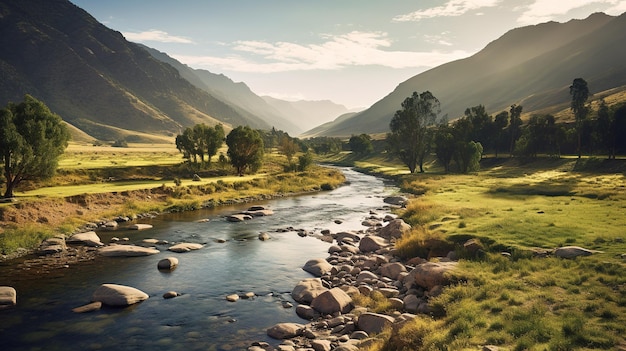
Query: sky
{"x": 352, "y": 52}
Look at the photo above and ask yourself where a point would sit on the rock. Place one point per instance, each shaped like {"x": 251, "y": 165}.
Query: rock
{"x": 367, "y": 277}
{"x": 370, "y": 223}
{"x": 332, "y": 301}
{"x": 239, "y": 217}
{"x": 371, "y": 243}
{"x": 232, "y": 298}
{"x": 8, "y": 296}
{"x": 53, "y": 245}
{"x": 283, "y": 331}
{"x": 118, "y": 295}
{"x": 168, "y": 263}
{"x": 126, "y": 251}
{"x": 392, "y": 270}
{"x": 140, "y": 226}
{"x": 196, "y": 178}
{"x": 264, "y": 236}
{"x": 259, "y": 213}
{"x": 307, "y": 312}
{"x": 397, "y": 304}
{"x": 170, "y": 295}
{"x": 318, "y": 267}
{"x": 411, "y": 303}
{"x": 150, "y": 241}
{"x": 308, "y": 289}
{"x": 90, "y": 307}
{"x": 185, "y": 247}
{"x": 257, "y": 208}
{"x": 431, "y": 274}
{"x": 321, "y": 345}
{"x": 396, "y": 200}
{"x": 572, "y": 252}
{"x": 472, "y": 246}
{"x": 394, "y": 229}
{"x": 374, "y": 323}
{"x": 110, "y": 225}
{"x": 87, "y": 238}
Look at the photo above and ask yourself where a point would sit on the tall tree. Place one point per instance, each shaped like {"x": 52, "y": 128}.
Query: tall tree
{"x": 245, "y": 149}
{"x": 214, "y": 140}
{"x": 32, "y": 139}
{"x": 361, "y": 144}
{"x": 499, "y": 124}
{"x": 409, "y": 138}
{"x": 515, "y": 126}
{"x": 580, "y": 93}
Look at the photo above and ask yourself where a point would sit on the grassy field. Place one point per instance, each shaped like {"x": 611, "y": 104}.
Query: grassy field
{"x": 521, "y": 301}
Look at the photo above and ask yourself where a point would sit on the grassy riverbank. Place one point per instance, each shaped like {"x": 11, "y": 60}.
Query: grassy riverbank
{"x": 523, "y": 301}
{"x": 100, "y": 189}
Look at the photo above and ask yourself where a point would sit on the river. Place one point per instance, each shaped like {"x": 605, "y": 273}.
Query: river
{"x": 201, "y": 318}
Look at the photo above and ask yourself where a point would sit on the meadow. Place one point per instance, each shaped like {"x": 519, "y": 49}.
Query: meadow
{"x": 525, "y": 299}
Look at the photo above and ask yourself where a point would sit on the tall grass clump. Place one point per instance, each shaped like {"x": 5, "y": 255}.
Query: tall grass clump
{"x": 420, "y": 242}
{"x": 24, "y": 237}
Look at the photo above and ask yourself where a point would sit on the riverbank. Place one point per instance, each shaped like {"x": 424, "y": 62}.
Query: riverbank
{"x": 27, "y": 222}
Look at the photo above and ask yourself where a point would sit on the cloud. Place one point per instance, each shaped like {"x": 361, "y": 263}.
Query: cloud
{"x": 545, "y": 10}
{"x": 452, "y": 8}
{"x": 155, "y": 35}
{"x": 336, "y": 52}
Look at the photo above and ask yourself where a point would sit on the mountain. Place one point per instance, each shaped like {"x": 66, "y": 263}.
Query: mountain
{"x": 531, "y": 66}
{"x": 95, "y": 79}
{"x": 307, "y": 114}
{"x": 238, "y": 95}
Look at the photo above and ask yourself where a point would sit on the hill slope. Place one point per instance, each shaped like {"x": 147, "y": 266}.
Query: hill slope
{"x": 95, "y": 79}
{"x": 532, "y": 66}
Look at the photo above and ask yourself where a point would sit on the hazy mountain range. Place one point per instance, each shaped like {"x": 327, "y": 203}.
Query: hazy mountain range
{"x": 108, "y": 88}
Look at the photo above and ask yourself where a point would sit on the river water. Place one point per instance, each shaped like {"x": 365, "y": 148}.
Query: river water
{"x": 201, "y": 318}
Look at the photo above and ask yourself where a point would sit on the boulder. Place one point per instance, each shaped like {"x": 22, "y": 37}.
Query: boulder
{"x": 332, "y": 301}
{"x": 126, "y": 251}
{"x": 168, "y": 263}
{"x": 90, "y": 307}
{"x": 396, "y": 200}
{"x": 118, "y": 295}
{"x": 392, "y": 270}
{"x": 140, "y": 226}
{"x": 53, "y": 245}
{"x": 572, "y": 252}
{"x": 170, "y": 295}
{"x": 8, "y": 296}
{"x": 371, "y": 243}
{"x": 307, "y": 312}
{"x": 87, "y": 238}
{"x": 394, "y": 229}
{"x": 232, "y": 297}
{"x": 239, "y": 217}
{"x": 308, "y": 289}
{"x": 347, "y": 236}
{"x": 431, "y": 274}
{"x": 259, "y": 213}
{"x": 110, "y": 225}
{"x": 321, "y": 345}
{"x": 264, "y": 237}
{"x": 374, "y": 323}
{"x": 411, "y": 303}
{"x": 317, "y": 266}
{"x": 185, "y": 247}
{"x": 283, "y": 331}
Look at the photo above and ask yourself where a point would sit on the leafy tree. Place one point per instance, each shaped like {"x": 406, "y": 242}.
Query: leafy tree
{"x": 468, "y": 155}
{"x": 361, "y": 144}
{"x": 305, "y": 161}
{"x": 31, "y": 140}
{"x": 185, "y": 143}
{"x": 619, "y": 126}
{"x": 200, "y": 140}
{"x": 409, "y": 138}
{"x": 288, "y": 147}
{"x": 498, "y": 129}
{"x": 580, "y": 93}
{"x": 481, "y": 125}
{"x": 214, "y": 140}
{"x": 445, "y": 145}
{"x": 515, "y": 126}
{"x": 245, "y": 149}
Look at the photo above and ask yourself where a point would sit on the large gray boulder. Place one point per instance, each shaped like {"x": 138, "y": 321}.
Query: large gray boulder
{"x": 372, "y": 243}
{"x": 167, "y": 263}
{"x": 394, "y": 229}
{"x": 185, "y": 247}
{"x": 308, "y": 289}
{"x": 285, "y": 330}
{"x": 317, "y": 266}
{"x": 8, "y": 296}
{"x": 53, "y": 245}
{"x": 332, "y": 301}
{"x": 396, "y": 200}
{"x": 126, "y": 251}
{"x": 572, "y": 252}
{"x": 118, "y": 295}
{"x": 392, "y": 270}
{"x": 374, "y": 323}
{"x": 430, "y": 274}
{"x": 86, "y": 238}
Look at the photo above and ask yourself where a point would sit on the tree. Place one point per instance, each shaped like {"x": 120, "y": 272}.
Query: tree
{"x": 361, "y": 144}
{"x": 245, "y": 149}
{"x": 580, "y": 93}
{"x": 214, "y": 140}
{"x": 32, "y": 139}
{"x": 499, "y": 124}
{"x": 445, "y": 145}
{"x": 185, "y": 144}
{"x": 288, "y": 147}
{"x": 481, "y": 125}
{"x": 200, "y": 140}
{"x": 410, "y": 138}
{"x": 515, "y": 126}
